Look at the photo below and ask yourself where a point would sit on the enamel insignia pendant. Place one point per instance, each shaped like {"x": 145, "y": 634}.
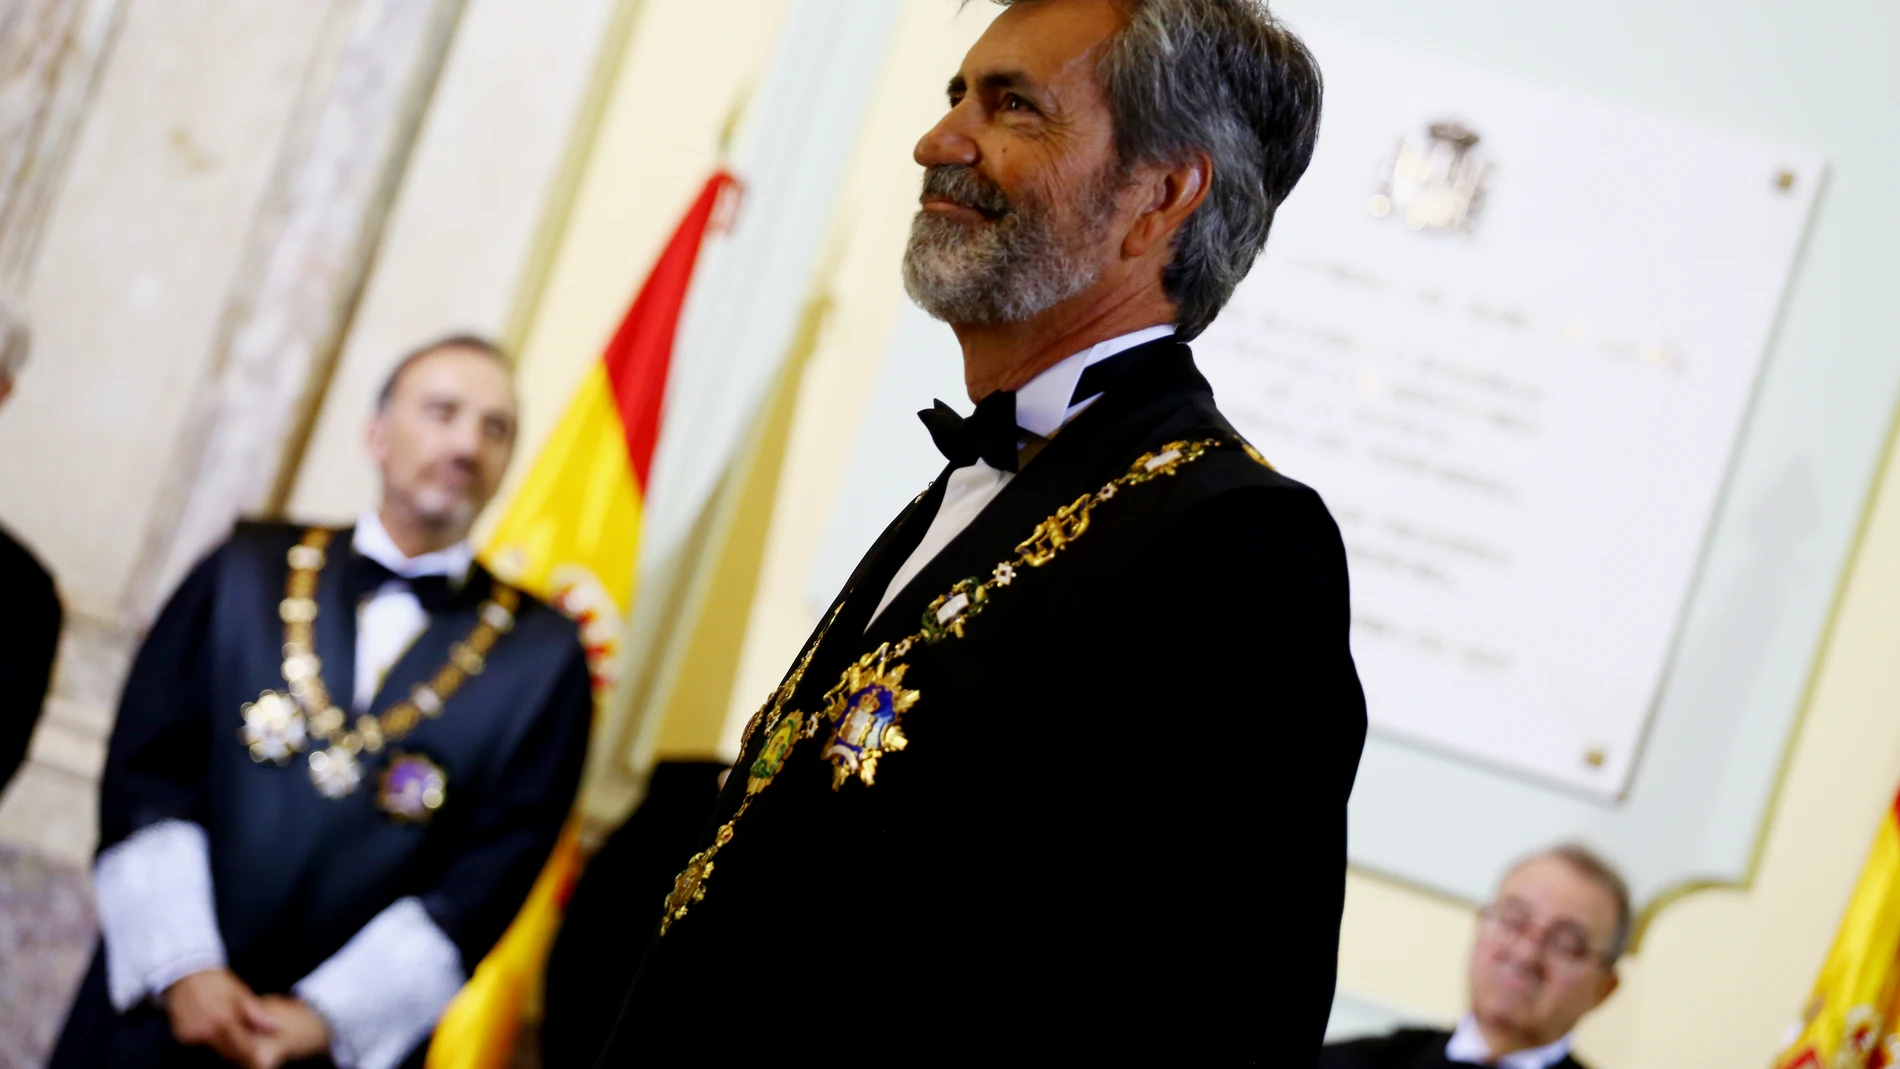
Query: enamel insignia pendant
{"x": 866, "y": 709}
{"x": 274, "y": 728}
{"x": 413, "y": 788}
{"x": 778, "y": 745}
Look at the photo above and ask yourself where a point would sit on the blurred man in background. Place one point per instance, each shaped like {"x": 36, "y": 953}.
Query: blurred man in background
{"x": 340, "y": 760}
{"x": 1546, "y": 955}
{"x": 29, "y": 629}
{"x": 1066, "y": 765}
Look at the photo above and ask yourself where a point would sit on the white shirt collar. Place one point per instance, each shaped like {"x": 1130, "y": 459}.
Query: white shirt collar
{"x": 1467, "y": 1045}
{"x": 1042, "y": 405}
{"x": 372, "y": 540}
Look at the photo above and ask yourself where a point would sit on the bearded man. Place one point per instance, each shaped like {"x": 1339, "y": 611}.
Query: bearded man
{"x": 1065, "y": 765}
{"x": 341, "y": 758}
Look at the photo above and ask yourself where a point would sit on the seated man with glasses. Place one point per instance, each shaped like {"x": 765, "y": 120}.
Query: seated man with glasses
{"x": 1546, "y": 955}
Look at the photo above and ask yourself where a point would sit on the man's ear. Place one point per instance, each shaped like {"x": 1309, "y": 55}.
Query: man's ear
{"x": 1170, "y": 193}
{"x": 1611, "y": 982}
{"x": 376, "y": 437}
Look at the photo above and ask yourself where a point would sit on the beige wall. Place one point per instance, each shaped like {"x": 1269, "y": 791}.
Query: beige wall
{"x": 1721, "y": 973}
{"x": 688, "y": 66}
{"x": 462, "y": 231}
{"x": 138, "y": 257}
{"x": 147, "y": 230}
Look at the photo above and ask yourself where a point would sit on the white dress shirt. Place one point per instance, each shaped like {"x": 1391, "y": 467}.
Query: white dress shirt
{"x": 383, "y": 991}
{"x": 1042, "y": 408}
{"x": 1467, "y": 1045}
{"x": 390, "y": 620}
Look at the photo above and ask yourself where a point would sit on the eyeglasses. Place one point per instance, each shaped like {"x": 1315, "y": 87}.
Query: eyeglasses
{"x": 1562, "y": 942}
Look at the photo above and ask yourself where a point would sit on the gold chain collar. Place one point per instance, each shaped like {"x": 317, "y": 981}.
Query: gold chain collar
{"x": 279, "y": 725}
{"x": 869, "y": 699}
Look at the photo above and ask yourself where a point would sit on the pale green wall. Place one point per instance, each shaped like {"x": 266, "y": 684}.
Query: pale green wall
{"x": 1721, "y": 973}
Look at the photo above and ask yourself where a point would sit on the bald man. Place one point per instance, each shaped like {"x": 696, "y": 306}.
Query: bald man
{"x": 1545, "y": 956}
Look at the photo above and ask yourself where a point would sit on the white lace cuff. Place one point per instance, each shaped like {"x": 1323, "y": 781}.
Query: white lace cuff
{"x": 157, "y": 914}
{"x": 382, "y": 993}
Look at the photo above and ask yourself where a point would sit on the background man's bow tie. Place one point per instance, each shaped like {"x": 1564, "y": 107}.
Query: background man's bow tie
{"x": 989, "y": 434}
{"x": 365, "y": 576}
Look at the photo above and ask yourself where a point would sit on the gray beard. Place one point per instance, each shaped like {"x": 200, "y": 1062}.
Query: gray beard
{"x": 1005, "y": 270}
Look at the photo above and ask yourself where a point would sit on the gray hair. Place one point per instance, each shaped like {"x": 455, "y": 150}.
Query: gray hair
{"x": 1225, "y": 78}
{"x": 1594, "y": 867}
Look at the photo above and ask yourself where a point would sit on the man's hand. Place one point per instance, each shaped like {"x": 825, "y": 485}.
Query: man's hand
{"x": 295, "y": 1032}
{"x": 215, "y": 1009}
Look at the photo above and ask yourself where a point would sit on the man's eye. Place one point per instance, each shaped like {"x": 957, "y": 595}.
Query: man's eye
{"x": 1012, "y": 102}
{"x": 1569, "y": 945}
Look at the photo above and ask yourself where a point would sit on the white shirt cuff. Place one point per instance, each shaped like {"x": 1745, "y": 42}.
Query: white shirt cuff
{"x": 157, "y": 913}
{"x": 383, "y": 992}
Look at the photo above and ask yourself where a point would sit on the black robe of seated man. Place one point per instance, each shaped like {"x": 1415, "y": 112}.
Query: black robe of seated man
{"x": 1407, "y": 1048}
{"x": 1119, "y": 822}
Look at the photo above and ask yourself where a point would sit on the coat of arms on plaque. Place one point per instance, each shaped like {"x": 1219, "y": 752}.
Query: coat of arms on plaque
{"x": 1437, "y": 181}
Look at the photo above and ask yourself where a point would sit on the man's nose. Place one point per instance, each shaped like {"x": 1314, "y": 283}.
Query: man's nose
{"x": 948, "y": 142}
{"x": 1525, "y": 953}
{"x": 465, "y": 439}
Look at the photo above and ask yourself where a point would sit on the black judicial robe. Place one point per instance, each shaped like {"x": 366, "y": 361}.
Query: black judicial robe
{"x": 588, "y": 966}
{"x": 296, "y": 874}
{"x": 1119, "y": 822}
{"x": 29, "y": 637}
{"x": 1407, "y": 1048}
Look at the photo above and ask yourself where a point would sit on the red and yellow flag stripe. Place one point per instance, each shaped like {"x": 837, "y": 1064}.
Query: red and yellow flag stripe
{"x": 571, "y": 537}
{"x": 1850, "y": 1021}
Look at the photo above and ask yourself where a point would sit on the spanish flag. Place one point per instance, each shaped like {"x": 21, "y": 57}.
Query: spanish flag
{"x": 571, "y": 536}
{"x": 1850, "y": 1022}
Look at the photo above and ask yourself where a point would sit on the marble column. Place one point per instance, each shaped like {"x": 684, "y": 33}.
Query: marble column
{"x": 50, "y": 55}
{"x": 307, "y": 262}
{"x": 191, "y": 308}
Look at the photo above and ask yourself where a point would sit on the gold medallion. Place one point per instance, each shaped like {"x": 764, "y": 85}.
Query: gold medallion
{"x": 278, "y": 726}
{"x": 335, "y": 772}
{"x": 689, "y": 887}
{"x": 868, "y": 702}
{"x": 274, "y": 728}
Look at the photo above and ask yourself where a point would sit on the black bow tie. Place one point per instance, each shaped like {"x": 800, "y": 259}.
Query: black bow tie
{"x": 364, "y": 576}
{"x": 991, "y": 434}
